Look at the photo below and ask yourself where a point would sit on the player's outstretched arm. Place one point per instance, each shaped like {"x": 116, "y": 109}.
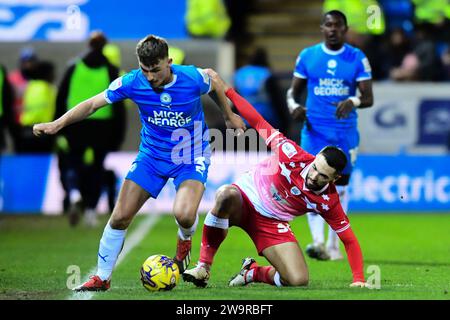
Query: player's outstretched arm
{"x": 354, "y": 256}
{"x": 339, "y": 222}
{"x": 232, "y": 120}
{"x": 79, "y": 112}
{"x": 244, "y": 107}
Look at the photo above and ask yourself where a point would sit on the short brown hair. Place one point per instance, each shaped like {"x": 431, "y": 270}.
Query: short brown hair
{"x": 151, "y": 49}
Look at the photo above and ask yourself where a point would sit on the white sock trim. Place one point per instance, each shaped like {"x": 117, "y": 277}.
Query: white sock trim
{"x": 115, "y": 232}
{"x": 213, "y": 221}
{"x": 186, "y": 233}
{"x": 277, "y": 279}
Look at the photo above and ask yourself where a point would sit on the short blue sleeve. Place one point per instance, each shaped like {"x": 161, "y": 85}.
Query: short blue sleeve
{"x": 119, "y": 89}
{"x": 300, "y": 70}
{"x": 364, "y": 71}
{"x": 204, "y": 81}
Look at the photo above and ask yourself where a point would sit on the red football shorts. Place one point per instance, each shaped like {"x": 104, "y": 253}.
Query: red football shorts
{"x": 265, "y": 232}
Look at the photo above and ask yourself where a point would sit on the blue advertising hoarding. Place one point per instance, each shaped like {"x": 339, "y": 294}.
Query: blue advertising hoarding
{"x": 23, "y": 183}
{"x": 434, "y": 122}
{"x": 402, "y": 183}
{"x": 73, "y": 20}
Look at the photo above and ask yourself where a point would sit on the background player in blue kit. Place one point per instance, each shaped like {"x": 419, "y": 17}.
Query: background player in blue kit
{"x": 168, "y": 97}
{"x": 331, "y": 71}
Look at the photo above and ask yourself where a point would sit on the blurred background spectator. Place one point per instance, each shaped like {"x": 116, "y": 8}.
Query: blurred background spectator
{"x": 397, "y": 48}
{"x": 207, "y": 18}
{"x": 238, "y": 13}
{"x": 423, "y": 62}
{"x": 446, "y": 62}
{"x": 19, "y": 80}
{"x": 6, "y": 107}
{"x": 85, "y": 145}
{"x": 257, "y": 83}
{"x": 38, "y": 105}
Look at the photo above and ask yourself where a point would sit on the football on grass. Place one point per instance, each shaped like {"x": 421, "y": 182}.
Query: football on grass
{"x": 159, "y": 273}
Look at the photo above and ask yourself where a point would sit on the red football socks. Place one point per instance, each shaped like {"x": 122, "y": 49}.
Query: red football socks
{"x": 262, "y": 274}
{"x": 211, "y": 239}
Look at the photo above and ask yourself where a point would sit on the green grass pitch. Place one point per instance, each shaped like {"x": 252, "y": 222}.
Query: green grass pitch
{"x": 411, "y": 250}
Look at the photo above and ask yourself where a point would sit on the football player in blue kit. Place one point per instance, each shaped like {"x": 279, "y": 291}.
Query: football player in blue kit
{"x": 331, "y": 72}
{"x": 174, "y": 144}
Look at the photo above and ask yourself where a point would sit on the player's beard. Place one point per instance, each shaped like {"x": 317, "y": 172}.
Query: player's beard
{"x": 312, "y": 186}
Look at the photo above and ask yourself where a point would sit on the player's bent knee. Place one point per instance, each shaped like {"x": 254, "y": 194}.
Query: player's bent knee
{"x": 185, "y": 217}
{"x": 296, "y": 280}
{"x": 226, "y": 197}
{"x": 121, "y": 218}
{"x": 120, "y": 222}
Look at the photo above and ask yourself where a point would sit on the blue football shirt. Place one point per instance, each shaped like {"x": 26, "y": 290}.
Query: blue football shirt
{"x": 172, "y": 118}
{"x": 332, "y": 77}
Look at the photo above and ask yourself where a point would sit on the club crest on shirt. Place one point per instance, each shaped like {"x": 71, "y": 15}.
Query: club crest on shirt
{"x": 295, "y": 191}
{"x": 165, "y": 99}
{"x": 332, "y": 63}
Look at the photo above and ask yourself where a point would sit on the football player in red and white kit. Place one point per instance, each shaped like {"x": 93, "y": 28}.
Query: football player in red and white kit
{"x": 288, "y": 184}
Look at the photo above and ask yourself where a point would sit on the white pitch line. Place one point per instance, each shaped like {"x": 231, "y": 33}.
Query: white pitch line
{"x": 130, "y": 242}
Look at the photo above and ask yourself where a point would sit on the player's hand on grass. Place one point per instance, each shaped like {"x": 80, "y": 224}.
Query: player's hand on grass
{"x": 344, "y": 108}
{"x": 299, "y": 114}
{"x": 45, "y": 128}
{"x": 359, "y": 284}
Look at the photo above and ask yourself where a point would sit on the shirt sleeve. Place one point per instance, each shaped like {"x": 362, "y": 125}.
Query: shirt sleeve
{"x": 364, "y": 70}
{"x": 204, "y": 81}
{"x": 300, "y": 70}
{"x": 336, "y": 218}
{"x": 285, "y": 148}
{"x": 339, "y": 222}
{"x": 119, "y": 89}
